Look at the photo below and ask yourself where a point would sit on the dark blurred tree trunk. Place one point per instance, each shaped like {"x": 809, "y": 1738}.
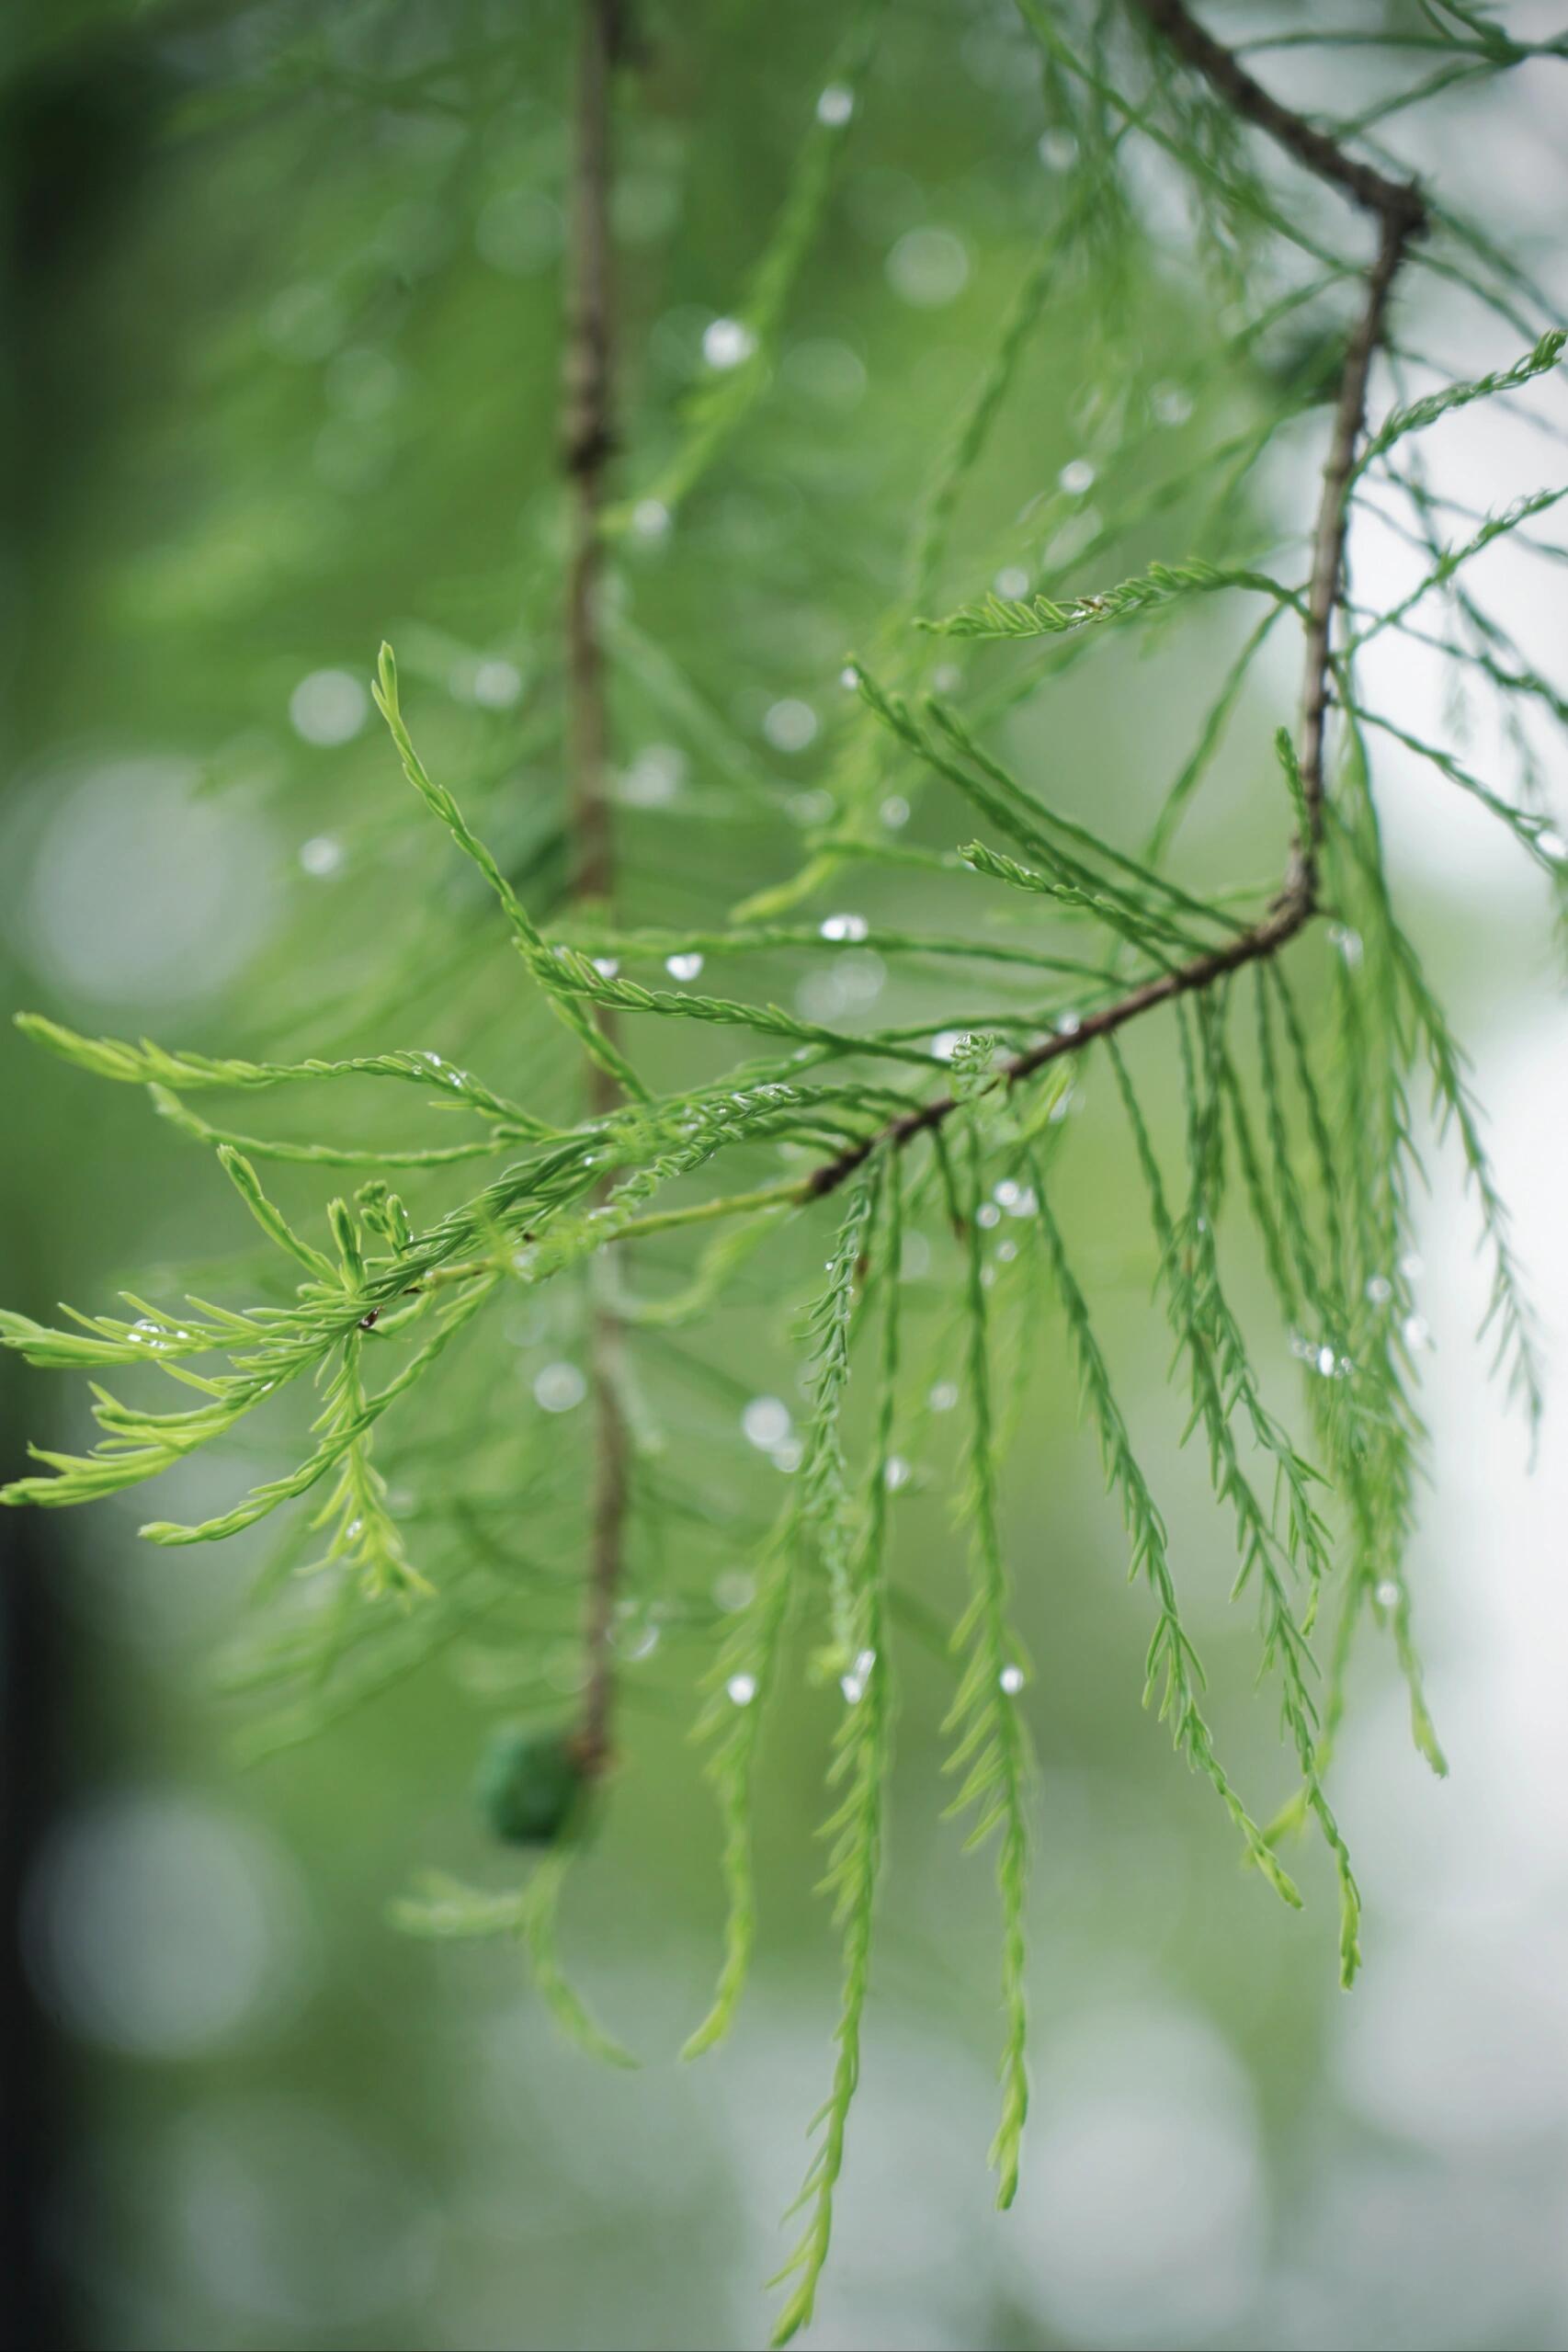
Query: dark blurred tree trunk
{"x": 34, "y": 2098}
{"x": 77, "y": 125}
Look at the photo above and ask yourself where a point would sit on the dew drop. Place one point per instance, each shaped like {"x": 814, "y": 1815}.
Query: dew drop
{"x": 741, "y": 1689}
{"x": 1076, "y": 478}
{"x": 790, "y": 725}
{"x": 650, "y": 518}
{"x": 929, "y": 267}
{"x": 854, "y": 1685}
{"x": 1012, "y": 583}
{"x": 498, "y": 685}
{"x": 636, "y": 1638}
{"x": 329, "y": 707}
{"x": 684, "y": 967}
{"x": 654, "y": 777}
{"x": 558, "y": 1387}
{"x": 321, "y": 856}
{"x": 897, "y": 1474}
{"x": 1387, "y": 1594}
{"x": 835, "y": 105}
{"x": 1170, "y": 404}
{"x": 1011, "y": 1680}
{"x": 727, "y": 343}
{"x": 766, "y": 1423}
{"x": 844, "y": 926}
{"x": 1379, "y": 1289}
{"x": 944, "y": 1396}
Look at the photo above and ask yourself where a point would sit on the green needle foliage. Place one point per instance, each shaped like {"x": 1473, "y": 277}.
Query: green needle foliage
{"x": 1160, "y": 585}
{"x": 861, "y": 1761}
{"x": 886, "y": 1152}
{"x": 991, "y": 1747}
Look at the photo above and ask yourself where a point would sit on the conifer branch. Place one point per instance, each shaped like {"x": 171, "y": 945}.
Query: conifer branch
{"x": 587, "y": 440}
{"x": 1401, "y": 210}
{"x": 1390, "y": 200}
{"x": 1311, "y": 1124}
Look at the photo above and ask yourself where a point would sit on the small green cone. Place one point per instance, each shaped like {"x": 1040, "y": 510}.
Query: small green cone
{"x": 529, "y": 1786}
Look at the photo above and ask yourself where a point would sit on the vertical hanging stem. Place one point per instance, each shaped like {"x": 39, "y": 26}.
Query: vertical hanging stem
{"x": 587, "y": 440}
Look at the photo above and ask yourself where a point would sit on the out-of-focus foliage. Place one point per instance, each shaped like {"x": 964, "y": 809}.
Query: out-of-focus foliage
{"x": 1000, "y": 327}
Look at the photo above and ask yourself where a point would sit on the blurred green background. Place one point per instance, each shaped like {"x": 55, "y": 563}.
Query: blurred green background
{"x": 280, "y": 380}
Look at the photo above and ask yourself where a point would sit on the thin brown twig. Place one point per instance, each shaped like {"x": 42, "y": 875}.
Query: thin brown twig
{"x": 1400, "y": 210}
{"x": 587, "y": 441}
{"x": 1388, "y": 199}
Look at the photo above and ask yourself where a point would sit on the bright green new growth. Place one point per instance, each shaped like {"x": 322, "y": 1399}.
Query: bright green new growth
{"x": 1161, "y": 584}
{"x": 845, "y": 1144}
